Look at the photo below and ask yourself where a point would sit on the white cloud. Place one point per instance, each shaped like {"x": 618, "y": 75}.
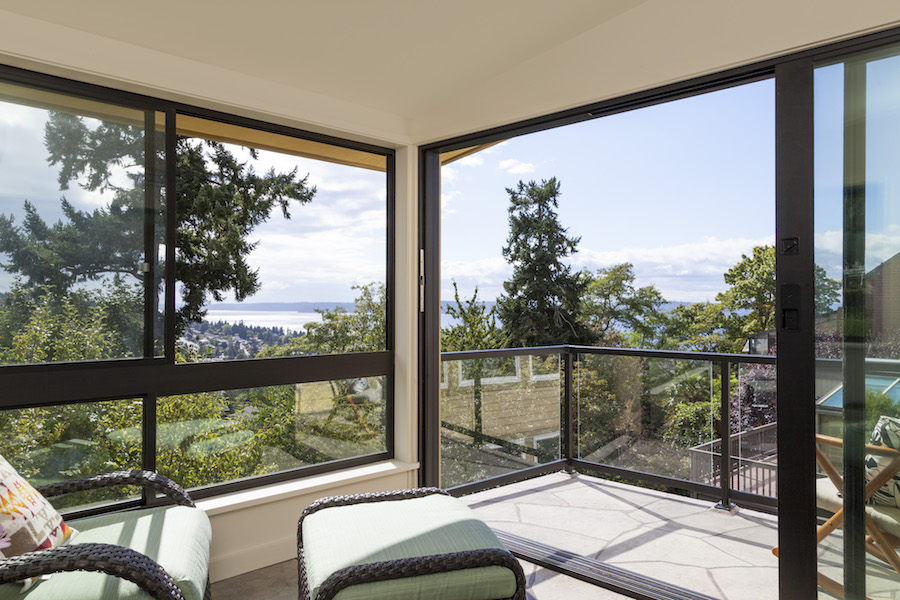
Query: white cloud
{"x": 880, "y": 247}
{"x": 448, "y": 174}
{"x": 288, "y": 263}
{"x": 325, "y": 183}
{"x": 883, "y": 245}
{"x": 447, "y": 200}
{"x": 487, "y": 274}
{"x": 488, "y": 270}
{"x": 690, "y": 272}
{"x": 516, "y": 167}
{"x": 473, "y": 160}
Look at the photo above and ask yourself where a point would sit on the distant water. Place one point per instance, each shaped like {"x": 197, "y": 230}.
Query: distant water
{"x": 282, "y": 318}
{"x": 295, "y": 321}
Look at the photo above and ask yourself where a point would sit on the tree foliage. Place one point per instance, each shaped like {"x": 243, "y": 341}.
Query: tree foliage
{"x": 542, "y": 301}
{"x": 750, "y": 299}
{"x": 698, "y": 327}
{"x": 340, "y": 332}
{"x": 620, "y": 312}
{"x": 751, "y": 291}
{"x": 220, "y": 200}
{"x": 476, "y": 326}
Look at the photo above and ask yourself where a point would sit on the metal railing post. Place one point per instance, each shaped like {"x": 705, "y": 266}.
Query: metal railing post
{"x": 725, "y": 436}
{"x": 568, "y": 441}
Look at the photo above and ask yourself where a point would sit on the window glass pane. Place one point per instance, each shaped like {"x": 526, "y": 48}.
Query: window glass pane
{"x": 57, "y": 443}
{"x": 857, "y": 221}
{"x": 649, "y": 415}
{"x": 213, "y": 437}
{"x": 498, "y": 414}
{"x": 81, "y": 227}
{"x": 282, "y": 245}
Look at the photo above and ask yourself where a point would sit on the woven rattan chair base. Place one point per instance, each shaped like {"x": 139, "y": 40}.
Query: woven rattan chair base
{"x": 113, "y": 560}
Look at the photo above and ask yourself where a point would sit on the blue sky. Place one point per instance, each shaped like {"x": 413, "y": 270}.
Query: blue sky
{"x": 680, "y": 190}
{"x": 882, "y": 163}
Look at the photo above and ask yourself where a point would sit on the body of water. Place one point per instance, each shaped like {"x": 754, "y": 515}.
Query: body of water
{"x": 294, "y": 321}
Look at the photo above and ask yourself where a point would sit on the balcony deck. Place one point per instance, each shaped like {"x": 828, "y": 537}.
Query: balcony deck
{"x": 677, "y": 540}
{"x": 674, "y": 539}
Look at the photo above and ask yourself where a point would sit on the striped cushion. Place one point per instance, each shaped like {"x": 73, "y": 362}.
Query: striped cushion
{"x": 885, "y": 433}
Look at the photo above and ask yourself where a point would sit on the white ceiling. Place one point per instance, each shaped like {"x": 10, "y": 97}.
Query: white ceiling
{"x": 418, "y": 70}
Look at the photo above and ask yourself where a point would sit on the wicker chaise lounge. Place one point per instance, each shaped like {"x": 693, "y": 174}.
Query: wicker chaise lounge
{"x": 160, "y": 552}
{"x": 404, "y": 545}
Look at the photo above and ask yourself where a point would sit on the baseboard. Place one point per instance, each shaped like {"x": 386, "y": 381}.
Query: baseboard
{"x": 225, "y": 565}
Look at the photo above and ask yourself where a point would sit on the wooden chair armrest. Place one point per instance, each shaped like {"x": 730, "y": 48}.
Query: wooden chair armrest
{"x": 827, "y": 440}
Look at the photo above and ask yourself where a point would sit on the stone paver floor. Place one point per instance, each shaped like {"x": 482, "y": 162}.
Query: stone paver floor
{"x": 673, "y": 539}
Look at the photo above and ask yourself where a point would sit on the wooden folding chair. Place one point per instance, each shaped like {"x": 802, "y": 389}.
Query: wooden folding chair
{"x": 882, "y": 522}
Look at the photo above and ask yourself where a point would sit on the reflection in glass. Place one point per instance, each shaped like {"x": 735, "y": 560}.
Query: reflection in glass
{"x": 213, "y": 437}
{"x": 57, "y": 443}
{"x": 650, "y": 415}
{"x": 754, "y": 444}
{"x": 857, "y": 221}
{"x": 81, "y": 225}
{"x": 498, "y": 415}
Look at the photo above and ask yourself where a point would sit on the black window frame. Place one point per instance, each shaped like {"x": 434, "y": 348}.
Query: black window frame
{"x": 151, "y": 377}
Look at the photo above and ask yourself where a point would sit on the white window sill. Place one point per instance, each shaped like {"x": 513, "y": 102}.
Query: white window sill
{"x": 316, "y": 484}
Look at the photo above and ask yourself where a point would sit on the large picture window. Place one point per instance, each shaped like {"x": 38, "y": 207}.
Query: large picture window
{"x": 143, "y": 247}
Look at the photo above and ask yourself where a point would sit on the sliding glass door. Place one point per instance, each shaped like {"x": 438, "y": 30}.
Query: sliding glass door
{"x": 857, "y": 323}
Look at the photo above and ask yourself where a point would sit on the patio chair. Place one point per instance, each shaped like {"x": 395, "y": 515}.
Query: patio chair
{"x": 164, "y": 550}
{"x": 882, "y": 522}
{"x": 404, "y": 545}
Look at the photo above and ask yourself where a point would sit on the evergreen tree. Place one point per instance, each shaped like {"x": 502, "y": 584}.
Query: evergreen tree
{"x": 541, "y": 306}
{"x": 219, "y": 202}
{"x": 476, "y": 326}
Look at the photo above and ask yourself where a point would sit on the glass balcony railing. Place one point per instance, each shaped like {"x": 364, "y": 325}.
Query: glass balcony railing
{"x": 650, "y": 416}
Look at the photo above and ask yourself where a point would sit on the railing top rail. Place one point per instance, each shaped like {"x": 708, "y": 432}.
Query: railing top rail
{"x": 676, "y": 354}
{"x": 635, "y": 352}
{"x": 504, "y": 352}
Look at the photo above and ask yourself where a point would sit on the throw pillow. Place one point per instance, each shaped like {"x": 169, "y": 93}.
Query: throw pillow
{"x": 886, "y": 433}
{"x": 27, "y": 520}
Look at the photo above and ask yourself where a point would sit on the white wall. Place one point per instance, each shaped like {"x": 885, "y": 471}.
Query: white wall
{"x": 653, "y": 44}
{"x": 58, "y": 50}
{"x": 257, "y": 528}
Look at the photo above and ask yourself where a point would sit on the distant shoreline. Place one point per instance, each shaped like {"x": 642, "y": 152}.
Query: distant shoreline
{"x": 310, "y": 307}
{"x": 303, "y": 307}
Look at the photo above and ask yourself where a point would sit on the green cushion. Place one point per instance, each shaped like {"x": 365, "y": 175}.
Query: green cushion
{"x": 177, "y": 537}
{"x": 339, "y": 537}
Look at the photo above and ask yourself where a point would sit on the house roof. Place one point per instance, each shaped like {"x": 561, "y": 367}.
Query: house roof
{"x": 412, "y": 71}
